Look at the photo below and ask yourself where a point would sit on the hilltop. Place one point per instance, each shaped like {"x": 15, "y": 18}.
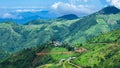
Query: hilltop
{"x": 109, "y": 10}
{"x": 69, "y": 17}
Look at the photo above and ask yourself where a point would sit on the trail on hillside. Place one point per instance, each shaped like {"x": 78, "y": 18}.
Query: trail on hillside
{"x": 64, "y": 66}
{"x": 74, "y": 64}
{"x": 42, "y": 53}
{"x": 103, "y": 43}
{"x": 66, "y": 61}
{"x": 46, "y": 65}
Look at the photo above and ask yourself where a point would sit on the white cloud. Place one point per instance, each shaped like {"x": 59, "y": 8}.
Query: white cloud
{"x": 8, "y": 15}
{"x": 114, "y": 2}
{"x": 67, "y": 8}
{"x": 28, "y": 10}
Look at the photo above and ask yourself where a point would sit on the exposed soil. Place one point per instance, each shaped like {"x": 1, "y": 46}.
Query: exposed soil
{"x": 43, "y": 53}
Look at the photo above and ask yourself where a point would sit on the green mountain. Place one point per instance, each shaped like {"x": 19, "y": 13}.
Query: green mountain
{"x": 15, "y": 37}
{"x": 110, "y": 10}
{"x": 102, "y": 51}
{"x": 68, "y": 17}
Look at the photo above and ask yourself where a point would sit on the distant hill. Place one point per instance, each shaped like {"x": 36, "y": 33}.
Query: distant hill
{"x": 68, "y": 17}
{"x": 23, "y": 17}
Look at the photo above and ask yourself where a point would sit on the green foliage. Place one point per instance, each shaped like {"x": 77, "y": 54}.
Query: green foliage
{"x": 110, "y": 37}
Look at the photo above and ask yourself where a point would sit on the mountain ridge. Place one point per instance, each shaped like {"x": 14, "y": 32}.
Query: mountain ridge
{"x": 109, "y": 10}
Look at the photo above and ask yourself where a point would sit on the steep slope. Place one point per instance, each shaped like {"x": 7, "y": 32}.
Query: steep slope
{"x": 10, "y": 39}
{"x": 94, "y": 25}
{"x": 103, "y": 51}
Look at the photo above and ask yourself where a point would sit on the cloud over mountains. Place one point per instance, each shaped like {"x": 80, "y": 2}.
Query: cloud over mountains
{"x": 60, "y": 7}
{"x": 72, "y": 8}
{"x": 114, "y": 2}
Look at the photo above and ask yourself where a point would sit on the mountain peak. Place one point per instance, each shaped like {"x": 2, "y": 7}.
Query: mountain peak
{"x": 69, "y": 17}
{"x": 110, "y": 10}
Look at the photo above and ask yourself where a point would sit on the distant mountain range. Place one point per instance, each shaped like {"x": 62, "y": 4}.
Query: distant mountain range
{"x": 23, "y": 17}
{"x": 67, "y": 28}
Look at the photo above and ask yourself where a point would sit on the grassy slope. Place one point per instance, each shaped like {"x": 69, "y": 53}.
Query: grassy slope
{"x": 103, "y": 51}
{"x": 91, "y": 26}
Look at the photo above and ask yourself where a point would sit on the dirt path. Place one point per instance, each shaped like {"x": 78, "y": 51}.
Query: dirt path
{"x": 64, "y": 66}
{"x": 103, "y": 43}
{"x": 74, "y": 64}
{"x": 42, "y": 53}
{"x": 68, "y": 61}
{"x": 46, "y": 65}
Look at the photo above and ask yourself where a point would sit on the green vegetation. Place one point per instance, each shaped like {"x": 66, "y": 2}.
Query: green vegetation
{"x": 48, "y": 66}
{"x": 103, "y": 51}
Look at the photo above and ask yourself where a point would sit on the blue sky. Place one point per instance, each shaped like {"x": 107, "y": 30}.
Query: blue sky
{"x": 59, "y": 7}
{"x": 45, "y": 3}
{"x": 28, "y": 3}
